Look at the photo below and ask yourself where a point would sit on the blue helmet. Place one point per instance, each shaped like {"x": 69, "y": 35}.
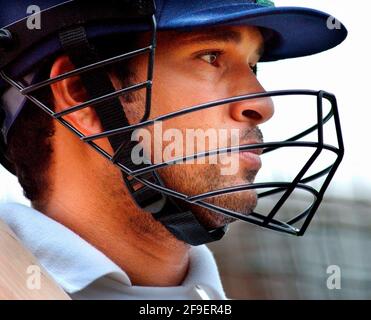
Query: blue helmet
{"x": 297, "y": 31}
{"x": 70, "y": 27}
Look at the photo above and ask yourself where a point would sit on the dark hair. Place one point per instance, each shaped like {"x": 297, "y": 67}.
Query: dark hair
{"x": 30, "y": 148}
{"x": 30, "y": 144}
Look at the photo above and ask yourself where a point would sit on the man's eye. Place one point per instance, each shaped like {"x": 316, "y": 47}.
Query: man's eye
{"x": 211, "y": 57}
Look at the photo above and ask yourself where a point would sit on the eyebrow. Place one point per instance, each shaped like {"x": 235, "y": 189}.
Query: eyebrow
{"x": 214, "y": 35}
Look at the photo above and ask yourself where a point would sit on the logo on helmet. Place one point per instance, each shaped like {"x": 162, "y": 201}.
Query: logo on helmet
{"x": 266, "y": 3}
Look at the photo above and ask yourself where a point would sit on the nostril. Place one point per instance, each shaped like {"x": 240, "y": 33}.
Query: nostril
{"x": 251, "y": 114}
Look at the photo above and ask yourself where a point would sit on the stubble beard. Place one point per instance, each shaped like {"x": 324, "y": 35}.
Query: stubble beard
{"x": 196, "y": 179}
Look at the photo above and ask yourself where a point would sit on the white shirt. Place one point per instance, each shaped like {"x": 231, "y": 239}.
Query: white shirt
{"x": 84, "y": 272}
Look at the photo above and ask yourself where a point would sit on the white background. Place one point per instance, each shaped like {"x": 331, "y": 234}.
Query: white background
{"x": 344, "y": 71}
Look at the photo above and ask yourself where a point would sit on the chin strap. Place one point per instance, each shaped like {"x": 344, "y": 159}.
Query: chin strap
{"x": 182, "y": 224}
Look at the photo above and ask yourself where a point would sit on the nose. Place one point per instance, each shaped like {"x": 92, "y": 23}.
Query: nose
{"x": 252, "y": 111}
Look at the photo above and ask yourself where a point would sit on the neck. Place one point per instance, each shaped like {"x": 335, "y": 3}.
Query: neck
{"x": 98, "y": 208}
{"x": 140, "y": 246}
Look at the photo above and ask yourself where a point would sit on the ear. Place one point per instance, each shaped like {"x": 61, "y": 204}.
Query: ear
{"x": 69, "y": 93}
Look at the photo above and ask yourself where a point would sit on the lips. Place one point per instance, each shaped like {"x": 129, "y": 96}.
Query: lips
{"x": 252, "y": 157}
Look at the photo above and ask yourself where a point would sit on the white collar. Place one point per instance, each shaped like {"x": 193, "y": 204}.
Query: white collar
{"x": 75, "y": 264}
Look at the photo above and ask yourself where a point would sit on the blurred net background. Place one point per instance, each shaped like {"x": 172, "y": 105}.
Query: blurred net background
{"x": 259, "y": 264}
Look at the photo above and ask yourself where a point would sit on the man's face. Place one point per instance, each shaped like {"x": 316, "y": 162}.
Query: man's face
{"x": 198, "y": 67}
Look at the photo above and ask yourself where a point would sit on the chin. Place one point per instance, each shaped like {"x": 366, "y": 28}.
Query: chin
{"x": 197, "y": 179}
{"x": 243, "y": 203}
